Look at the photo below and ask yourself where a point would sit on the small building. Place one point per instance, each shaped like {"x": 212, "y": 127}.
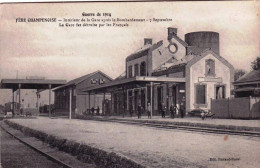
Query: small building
{"x": 188, "y": 73}
{"x": 246, "y": 104}
{"x": 248, "y": 85}
{"x": 80, "y": 102}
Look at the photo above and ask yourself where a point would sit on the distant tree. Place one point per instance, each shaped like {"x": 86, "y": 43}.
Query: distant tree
{"x": 255, "y": 65}
{"x": 239, "y": 73}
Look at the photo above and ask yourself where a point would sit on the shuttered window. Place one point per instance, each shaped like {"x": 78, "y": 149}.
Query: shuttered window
{"x": 200, "y": 94}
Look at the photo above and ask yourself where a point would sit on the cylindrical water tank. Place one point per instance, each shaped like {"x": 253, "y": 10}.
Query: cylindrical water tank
{"x": 203, "y": 40}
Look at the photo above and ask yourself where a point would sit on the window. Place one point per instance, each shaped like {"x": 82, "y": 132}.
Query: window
{"x": 130, "y": 73}
{"x": 143, "y": 69}
{"x": 200, "y": 94}
{"x": 210, "y": 67}
{"x": 220, "y": 92}
{"x": 136, "y": 70}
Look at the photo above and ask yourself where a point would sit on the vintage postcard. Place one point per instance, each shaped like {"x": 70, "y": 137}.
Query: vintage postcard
{"x": 130, "y": 84}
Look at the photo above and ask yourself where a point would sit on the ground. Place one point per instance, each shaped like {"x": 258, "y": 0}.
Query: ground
{"x": 154, "y": 147}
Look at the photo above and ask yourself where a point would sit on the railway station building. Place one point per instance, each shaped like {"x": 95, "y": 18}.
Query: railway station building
{"x": 187, "y": 73}
{"x": 80, "y": 102}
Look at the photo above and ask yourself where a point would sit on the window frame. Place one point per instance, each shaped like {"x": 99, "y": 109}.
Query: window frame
{"x": 143, "y": 68}
{"x": 136, "y": 70}
{"x": 130, "y": 71}
{"x": 212, "y": 74}
{"x": 195, "y": 95}
{"x": 215, "y": 90}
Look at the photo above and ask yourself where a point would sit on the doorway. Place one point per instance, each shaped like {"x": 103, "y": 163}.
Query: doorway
{"x": 159, "y": 97}
{"x": 143, "y": 98}
{"x": 136, "y": 99}
{"x": 174, "y": 96}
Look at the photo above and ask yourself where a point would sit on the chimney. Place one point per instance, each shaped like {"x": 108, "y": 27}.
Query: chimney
{"x": 148, "y": 41}
{"x": 171, "y": 31}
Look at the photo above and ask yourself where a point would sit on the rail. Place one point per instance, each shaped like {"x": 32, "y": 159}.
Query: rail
{"x": 187, "y": 128}
{"x": 38, "y": 150}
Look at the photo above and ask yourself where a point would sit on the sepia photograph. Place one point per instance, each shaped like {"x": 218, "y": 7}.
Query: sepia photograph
{"x": 156, "y": 84}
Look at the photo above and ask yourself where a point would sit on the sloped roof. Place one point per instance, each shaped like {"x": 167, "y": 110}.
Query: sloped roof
{"x": 246, "y": 89}
{"x": 253, "y": 76}
{"x": 179, "y": 40}
{"x": 145, "y": 47}
{"x": 142, "y": 51}
{"x": 189, "y": 59}
{"x": 80, "y": 79}
{"x": 135, "y": 79}
{"x": 196, "y": 50}
{"x": 123, "y": 75}
{"x": 205, "y": 53}
{"x": 172, "y": 62}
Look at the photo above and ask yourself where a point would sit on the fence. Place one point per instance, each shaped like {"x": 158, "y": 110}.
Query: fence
{"x": 236, "y": 108}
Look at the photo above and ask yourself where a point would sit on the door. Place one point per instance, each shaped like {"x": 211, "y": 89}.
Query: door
{"x": 159, "y": 97}
{"x": 143, "y": 98}
{"x": 115, "y": 103}
{"x": 136, "y": 99}
{"x": 174, "y": 98}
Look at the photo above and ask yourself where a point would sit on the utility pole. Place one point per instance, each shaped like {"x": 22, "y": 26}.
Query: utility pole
{"x": 49, "y": 100}
{"x": 151, "y": 99}
{"x": 70, "y": 110}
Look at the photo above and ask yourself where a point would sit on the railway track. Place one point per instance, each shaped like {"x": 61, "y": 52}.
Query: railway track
{"x": 186, "y": 128}
{"x": 53, "y": 159}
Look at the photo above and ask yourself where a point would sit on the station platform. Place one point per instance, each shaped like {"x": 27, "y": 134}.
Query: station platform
{"x": 215, "y": 123}
{"x": 147, "y": 146}
{"x": 229, "y": 124}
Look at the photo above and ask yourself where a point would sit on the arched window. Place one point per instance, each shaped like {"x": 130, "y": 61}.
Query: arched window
{"x": 143, "y": 69}
{"x": 210, "y": 67}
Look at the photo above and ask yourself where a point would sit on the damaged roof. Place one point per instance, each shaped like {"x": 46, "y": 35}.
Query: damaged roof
{"x": 144, "y": 50}
{"x": 177, "y": 65}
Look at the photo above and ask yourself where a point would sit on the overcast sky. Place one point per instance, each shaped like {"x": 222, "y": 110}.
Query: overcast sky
{"x": 45, "y": 49}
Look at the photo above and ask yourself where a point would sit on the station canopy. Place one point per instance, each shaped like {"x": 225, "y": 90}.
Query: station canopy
{"x": 39, "y": 84}
{"x": 130, "y": 82}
